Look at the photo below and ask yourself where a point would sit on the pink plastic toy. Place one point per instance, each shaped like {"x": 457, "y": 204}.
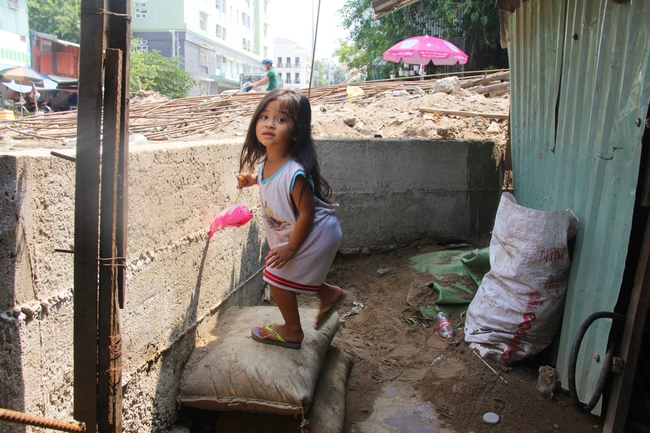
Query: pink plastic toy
{"x": 235, "y": 215}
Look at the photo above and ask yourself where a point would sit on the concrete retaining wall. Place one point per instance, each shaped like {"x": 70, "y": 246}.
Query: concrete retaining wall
{"x": 391, "y": 193}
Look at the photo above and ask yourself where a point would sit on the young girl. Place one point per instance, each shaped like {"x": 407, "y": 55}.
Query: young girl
{"x": 301, "y": 226}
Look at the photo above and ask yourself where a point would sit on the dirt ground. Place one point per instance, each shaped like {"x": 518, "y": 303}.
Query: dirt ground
{"x": 391, "y": 344}
{"x": 405, "y": 378}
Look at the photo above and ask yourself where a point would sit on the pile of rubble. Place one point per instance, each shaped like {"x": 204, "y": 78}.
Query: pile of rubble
{"x": 470, "y": 107}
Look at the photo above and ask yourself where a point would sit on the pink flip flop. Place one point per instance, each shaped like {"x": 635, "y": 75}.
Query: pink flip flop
{"x": 331, "y": 309}
{"x": 257, "y": 336}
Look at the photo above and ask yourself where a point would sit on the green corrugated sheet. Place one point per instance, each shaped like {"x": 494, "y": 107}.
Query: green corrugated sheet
{"x": 580, "y": 84}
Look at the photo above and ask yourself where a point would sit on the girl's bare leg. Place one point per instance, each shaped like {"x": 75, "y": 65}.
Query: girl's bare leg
{"x": 287, "y": 302}
{"x": 328, "y": 294}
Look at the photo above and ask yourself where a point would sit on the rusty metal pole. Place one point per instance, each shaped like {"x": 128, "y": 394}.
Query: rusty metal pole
{"x": 109, "y": 404}
{"x": 86, "y": 237}
{"x": 40, "y": 421}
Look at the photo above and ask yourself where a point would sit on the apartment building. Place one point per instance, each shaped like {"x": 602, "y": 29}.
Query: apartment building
{"x": 215, "y": 40}
{"x": 14, "y": 33}
{"x": 292, "y": 63}
{"x": 330, "y": 66}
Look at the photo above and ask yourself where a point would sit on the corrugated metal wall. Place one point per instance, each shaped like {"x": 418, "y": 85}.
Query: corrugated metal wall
{"x": 580, "y": 83}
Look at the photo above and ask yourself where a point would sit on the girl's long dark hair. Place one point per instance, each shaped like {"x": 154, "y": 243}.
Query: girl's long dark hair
{"x": 302, "y": 149}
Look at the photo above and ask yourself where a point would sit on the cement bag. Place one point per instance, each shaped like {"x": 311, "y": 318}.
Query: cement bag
{"x": 518, "y": 307}
{"x": 233, "y": 372}
{"x": 326, "y": 415}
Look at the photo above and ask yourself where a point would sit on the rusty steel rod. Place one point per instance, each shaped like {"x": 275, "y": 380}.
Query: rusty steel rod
{"x": 39, "y": 421}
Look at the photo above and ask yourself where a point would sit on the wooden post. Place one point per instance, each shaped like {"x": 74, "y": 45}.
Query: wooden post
{"x": 87, "y": 213}
{"x": 109, "y": 405}
{"x": 635, "y": 318}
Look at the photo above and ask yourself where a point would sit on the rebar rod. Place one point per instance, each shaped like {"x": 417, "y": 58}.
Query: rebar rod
{"x": 39, "y": 421}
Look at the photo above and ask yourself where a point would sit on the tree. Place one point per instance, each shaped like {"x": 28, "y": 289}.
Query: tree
{"x": 340, "y": 75}
{"x": 475, "y": 22}
{"x": 152, "y": 71}
{"x": 57, "y": 17}
{"x": 320, "y": 78}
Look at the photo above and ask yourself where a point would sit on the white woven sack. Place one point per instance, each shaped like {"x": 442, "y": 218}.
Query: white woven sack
{"x": 518, "y": 307}
{"x": 233, "y": 372}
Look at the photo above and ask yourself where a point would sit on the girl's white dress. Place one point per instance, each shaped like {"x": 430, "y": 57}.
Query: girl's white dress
{"x": 306, "y": 270}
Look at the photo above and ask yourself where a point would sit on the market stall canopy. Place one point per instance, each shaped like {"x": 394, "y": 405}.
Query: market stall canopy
{"x": 17, "y": 87}
{"x": 384, "y": 7}
{"x": 420, "y": 50}
{"x": 64, "y": 82}
{"x": 22, "y": 75}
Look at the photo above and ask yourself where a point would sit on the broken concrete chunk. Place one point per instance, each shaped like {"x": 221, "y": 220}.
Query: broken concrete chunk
{"x": 547, "y": 381}
{"x": 446, "y": 85}
{"x": 494, "y": 128}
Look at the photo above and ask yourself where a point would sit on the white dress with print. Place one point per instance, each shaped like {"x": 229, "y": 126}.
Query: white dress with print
{"x": 306, "y": 270}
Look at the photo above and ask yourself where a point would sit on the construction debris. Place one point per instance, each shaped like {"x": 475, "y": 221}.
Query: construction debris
{"x": 227, "y": 116}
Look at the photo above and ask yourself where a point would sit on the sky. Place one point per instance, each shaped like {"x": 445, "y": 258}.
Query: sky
{"x": 292, "y": 19}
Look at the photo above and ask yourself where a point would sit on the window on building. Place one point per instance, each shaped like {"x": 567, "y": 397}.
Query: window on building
{"x": 142, "y": 45}
{"x": 220, "y": 5}
{"x": 297, "y": 63}
{"x": 288, "y": 81}
{"x": 288, "y": 62}
{"x": 265, "y": 6}
{"x": 203, "y": 21}
{"x": 140, "y": 10}
{"x": 204, "y": 57}
{"x": 141, "y": 7}
{"x": 46, "y": 47}
{"x": 279, "y": 62}
{"x": 265, "y": 52}
{"x": 14, "y": 4}
{"x": 221, "y": 32}
{"x": 297, "y": 77}
{"x": 265, "y": 29}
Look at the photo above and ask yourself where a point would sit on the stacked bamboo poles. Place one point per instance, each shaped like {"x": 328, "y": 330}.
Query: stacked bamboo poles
{"x": 185, "y": 117}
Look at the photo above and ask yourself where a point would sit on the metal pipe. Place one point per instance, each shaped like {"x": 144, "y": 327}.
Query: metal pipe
{"x": 40, "y": 421}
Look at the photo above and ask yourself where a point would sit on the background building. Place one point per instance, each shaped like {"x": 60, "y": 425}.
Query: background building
{"x": 216, "y": 41}
{"x": 292, "y": 63}
{"x": 53, "y": 56}
{"x": 14, "y": 33}
{"x": 330, "y": 67}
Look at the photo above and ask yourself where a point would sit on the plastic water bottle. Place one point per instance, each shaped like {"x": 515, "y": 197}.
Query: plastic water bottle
{"x": 445, "y": 328}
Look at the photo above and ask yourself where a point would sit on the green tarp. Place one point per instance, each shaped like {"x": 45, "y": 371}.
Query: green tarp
{"x": 457, "y": 274}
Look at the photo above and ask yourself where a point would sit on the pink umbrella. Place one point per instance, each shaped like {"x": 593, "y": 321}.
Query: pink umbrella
{"x": 420, "y": 50}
